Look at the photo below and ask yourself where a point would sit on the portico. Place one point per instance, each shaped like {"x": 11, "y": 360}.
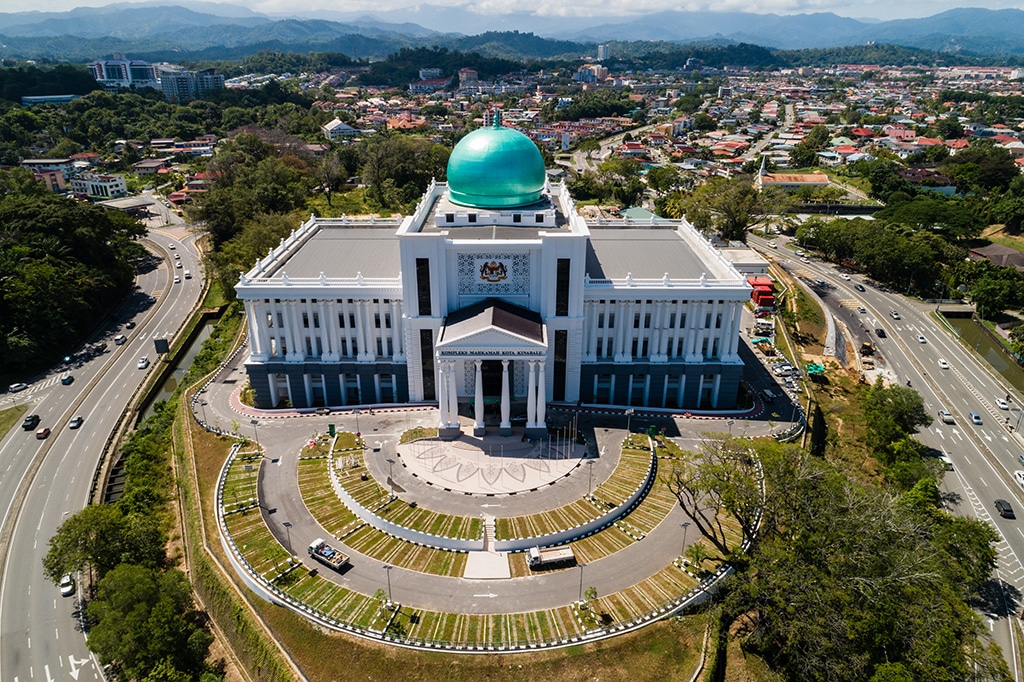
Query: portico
{"x": 475, "y": 341}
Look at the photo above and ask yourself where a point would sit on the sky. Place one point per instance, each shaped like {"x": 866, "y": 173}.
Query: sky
{"x": 877, "y": 9}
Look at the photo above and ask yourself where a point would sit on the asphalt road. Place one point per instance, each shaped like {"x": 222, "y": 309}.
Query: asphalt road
{"x": 40, "y": 633}
{"x": 984, "y": 455}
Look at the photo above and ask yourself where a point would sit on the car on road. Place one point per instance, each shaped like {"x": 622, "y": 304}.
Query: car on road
{"x": 75, "y": 422}
{"x": 171, "y": 247}
{"x": 1005, "y": 509}
{"x": 178, "y": 264}
{"x": 20, "y": 386}
{"x": 67, "y": 585}
{"x": 177, "y": 280}
{"x": 943, "y": 364}
{"x": 31, "y": 422}
{"x": 858, "y": 287}
{"x": 946, "y": 417}
{"x": 130, "y": 324}
{"x": 844, "y": 276}
{"x": 1002, "y": 404}
{"x": 67, "y": 379}
{"x": 176, "y": 256}
{"x": 143, "y": 362}
{"x": 43, "y": 433}
{"x": 975, "y": 418}
{"x": 120, "y": 340}
{"x": 880, "y": 333}
{"x": 921, "y": 339}
{"x": 805, "y": 259}
{"x": 1018, "y": 477}
{"x": 894, "y": 315}
{"x": 773, "y": 245}
{"x": 862, "y": 309}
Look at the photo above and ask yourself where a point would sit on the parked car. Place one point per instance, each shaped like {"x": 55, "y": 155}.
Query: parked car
{"x": 20, "y": 386}
{"x": 943, "y": 364}
{"x": 1005, "y": 509}
{"x": 75, "y": 422}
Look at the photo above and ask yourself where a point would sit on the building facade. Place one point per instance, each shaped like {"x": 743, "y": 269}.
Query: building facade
{"x": 493, "y": 299}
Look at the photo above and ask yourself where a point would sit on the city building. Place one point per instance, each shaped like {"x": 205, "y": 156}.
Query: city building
{"x": 66, "y": 167}
{"x": 338, "y": 129}
{"x": 120, "y": 72}
{"x": 494, "y": 298}
{"x": 99, "y": 186}
{"x": 603, "y": 52}
{"x": 182, "y": 85}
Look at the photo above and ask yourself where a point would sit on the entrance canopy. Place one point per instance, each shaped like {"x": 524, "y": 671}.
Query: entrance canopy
{"x": 492, "y": 328}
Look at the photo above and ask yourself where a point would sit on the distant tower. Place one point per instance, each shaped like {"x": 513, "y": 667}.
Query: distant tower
{"x": 602, "y": 52}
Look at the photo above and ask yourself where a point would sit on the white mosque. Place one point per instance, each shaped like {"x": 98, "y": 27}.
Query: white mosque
{"x": 494, "y": 299}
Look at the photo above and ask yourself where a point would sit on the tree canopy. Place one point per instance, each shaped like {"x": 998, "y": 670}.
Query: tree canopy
{"x": 727, "y": 207}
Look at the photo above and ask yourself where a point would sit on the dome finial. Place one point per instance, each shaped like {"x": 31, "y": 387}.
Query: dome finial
{"x": 497, "y": 117}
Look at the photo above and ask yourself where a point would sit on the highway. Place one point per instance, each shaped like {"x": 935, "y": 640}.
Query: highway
{"x": 984, "y": 455}
{"x": 43, "y": 481}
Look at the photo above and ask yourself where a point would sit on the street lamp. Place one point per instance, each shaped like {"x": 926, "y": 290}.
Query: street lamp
{"x": 590, "y": 483}
{"x": 387, "y": 572}
{"x": 202, "y": 405}
{"x": 391, "y": 480}
{"x": 629, "y": 417}
{"x": 686, "y": 526}
{"x": 255, "y": 423}
{"x": 252, "y": 483}
{"x": 288, "y": 529}
{"x": 581, "y": 583}
{"x": 356, "y": 413}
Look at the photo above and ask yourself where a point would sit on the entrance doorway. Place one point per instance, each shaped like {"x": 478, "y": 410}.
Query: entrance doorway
{"x": 491, "y": 374}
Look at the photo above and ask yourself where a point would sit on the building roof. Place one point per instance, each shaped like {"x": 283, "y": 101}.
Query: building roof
{"x": 645, "y": 253}
{"x": 495, "y": 167}
{"x": 493, "y": 313}
{"x": 342, "y": 252}
{"x": 1001, "y": 255}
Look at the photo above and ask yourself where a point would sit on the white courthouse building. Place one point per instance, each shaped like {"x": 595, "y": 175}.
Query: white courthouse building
{"x": 493, "y": 299}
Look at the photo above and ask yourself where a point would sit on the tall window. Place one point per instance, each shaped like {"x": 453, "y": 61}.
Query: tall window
{"x": 423, "y": 285}
{"x": 427, "y": 362}
{"x": 562, "y": 288}
{"x": 561, "y": 350}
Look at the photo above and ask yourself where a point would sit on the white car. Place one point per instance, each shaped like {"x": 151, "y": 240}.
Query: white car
{"x": 844, "y": 276}
{"x": 921, "y": 339}
{"x": 177, "y": 280}
{"x": 1002, "y": 404}
{"x": 143, "y": 362}
{"x": 177, "y": 264}
{"x": 943, "y": 364}
{"x": 67, "y": 585}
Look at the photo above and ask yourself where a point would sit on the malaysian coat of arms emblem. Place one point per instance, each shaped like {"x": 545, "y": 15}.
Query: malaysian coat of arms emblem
{"x": 493, "y": 271}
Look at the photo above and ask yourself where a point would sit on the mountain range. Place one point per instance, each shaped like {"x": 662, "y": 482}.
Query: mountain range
{"x": 192, "y": 27}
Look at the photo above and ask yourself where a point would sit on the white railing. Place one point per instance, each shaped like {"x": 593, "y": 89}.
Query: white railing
{"x": 323, "y": 280}
{"x": 663, "y": 282}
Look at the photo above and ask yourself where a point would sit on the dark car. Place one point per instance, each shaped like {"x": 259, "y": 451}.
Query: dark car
{"x": 30, "y": 422}
{"x": 1004, "y": 509}
{"x": 858, "y": 287}
{"x": 130, "y": 325}
{"x": 880, "y": 333}
{"x": 67, "y": 379}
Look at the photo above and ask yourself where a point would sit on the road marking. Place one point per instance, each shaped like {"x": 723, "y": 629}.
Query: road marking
{"x": 74, "y": 665}
{"x": 47, "y": 669}
{"x": 489, "y": 596}
{"x": 56, "y": 633}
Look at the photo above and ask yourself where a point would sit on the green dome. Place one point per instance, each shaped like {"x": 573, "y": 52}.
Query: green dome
{"x": 495, "y": 167}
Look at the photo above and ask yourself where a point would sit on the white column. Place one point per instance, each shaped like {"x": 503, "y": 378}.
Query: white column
{"x": 542, "y": 394}
{"x": 255, "y": 350}
{"x": 479, "y": 397}
{"x": 329, "y": 321}
{"x": 442, "y": 393}
{"x": 586, "y": 330}
{"x": 620, "y": 330}
{"x": 369, "y": 335}
{"x": 506, "y": 401}
{"x": 453, "y": 398}
{"x": 694, "y": 322}
{"x": 660, "y": 312}
{"x": 347, "y": 326}
{"x": 734, "y": 329}
{"x": 396, "y": 332}
{"x": 291, "y": 325}
{"x": 264, "y": 332}
{"x": 595, "y": 312}
{"x": 531, "y": 396}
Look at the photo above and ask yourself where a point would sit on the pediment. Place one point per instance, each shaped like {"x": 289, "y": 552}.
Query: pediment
{"x": 489, "y": 338}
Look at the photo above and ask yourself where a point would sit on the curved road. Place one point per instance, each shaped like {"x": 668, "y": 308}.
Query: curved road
{"x": 40, "y": 634}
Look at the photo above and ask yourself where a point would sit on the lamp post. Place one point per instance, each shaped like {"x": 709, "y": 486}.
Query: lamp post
{"x": 686, "y": 527}
{"x": 356, "y": 413}
{"x": 391, "y": 480}
{"x": 255, "y": 423}
{"x": 590, "y": 482}
{"x": 288, "y": 529}
{"x": 629, "y": 418}
{"x": 252, "y": 483}
{"x": 202, "y": 406}
{"x": 581, "y": 583}
{"x": 387, "y": 572}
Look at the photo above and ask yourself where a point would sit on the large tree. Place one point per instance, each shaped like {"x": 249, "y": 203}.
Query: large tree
{"x": 100, "y": 537}
{"x": 727, "y": 207}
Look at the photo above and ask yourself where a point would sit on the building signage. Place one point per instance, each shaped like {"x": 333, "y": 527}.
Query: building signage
{"x": 458, "y": 352}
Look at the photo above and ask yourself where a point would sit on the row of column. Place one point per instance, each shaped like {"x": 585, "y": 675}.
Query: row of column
{"x": 536, "y": 395}
{"x": 288, "y": 330}
{"x": 661, "y": 333}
